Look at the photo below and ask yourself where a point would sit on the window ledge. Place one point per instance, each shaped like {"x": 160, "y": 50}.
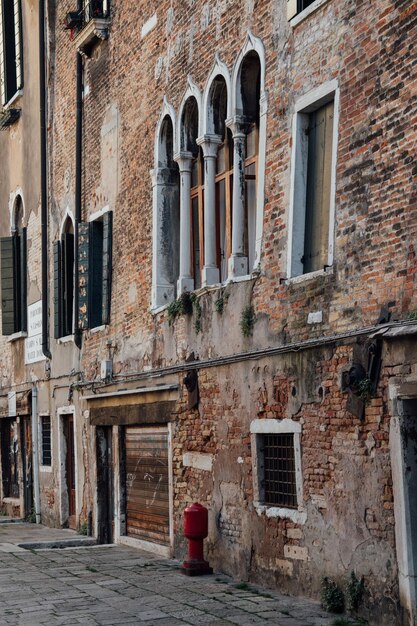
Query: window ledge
{"x": 66, "y": 339}
{"x": 22, "y": 334}
{"x": 297, "y": 19}
{"x": 208, "y": 288}
{"x": 304, "y": 277}
{"x": 94, "y": 31}
{"x": 299, "y": 516}
{"x": 97, "y": 329}
{"x": 45, "y": 469}
{"x": 14, "y": 501}
{"x": 13, "y": 99}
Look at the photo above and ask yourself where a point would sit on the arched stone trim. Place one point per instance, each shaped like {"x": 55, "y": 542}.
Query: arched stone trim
{"x": 165, "y": 225}
{"x": 219, "y": 69}
{"x": 68, "y": 216}
{"x": 13, "y": 199}
{"x": 191, "y": 91}
{"x": 254, "y": 44}
{"x": 166, "y": 111}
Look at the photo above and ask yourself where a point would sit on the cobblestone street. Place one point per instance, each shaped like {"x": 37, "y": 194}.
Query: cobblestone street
{"x": 120, "y": 585}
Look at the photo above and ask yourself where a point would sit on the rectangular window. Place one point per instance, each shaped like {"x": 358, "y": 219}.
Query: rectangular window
{"x": 95, "y": 9}
{"x": 313, "y": 183}
{"x": 278, "y": 481}
{"x": 94, "y": 271}
{"x": 13, "y": 282}
{"x": 46, "y": 441}
{"x": 294, "y": 7}
{"x": 11, "y": 77}
{"x": 277, "y": 472}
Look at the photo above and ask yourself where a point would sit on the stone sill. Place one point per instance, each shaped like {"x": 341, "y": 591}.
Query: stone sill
{"x": 298, "y": 516}
{"x": 22, "y": 334}
{"x": 304, "y": 277}
{"x": 94, "y": 31}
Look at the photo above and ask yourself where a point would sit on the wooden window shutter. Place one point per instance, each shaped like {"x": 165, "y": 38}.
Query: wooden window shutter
{"x": 22, "y": 280}
{"x": 57, "y": 291}
{"x": 107, "y": 266}
{"x": 83, "y": 274}
{"x": 8, "y": 281}
{"x": 96, "y": 273}
{"x": 67, "y": 282}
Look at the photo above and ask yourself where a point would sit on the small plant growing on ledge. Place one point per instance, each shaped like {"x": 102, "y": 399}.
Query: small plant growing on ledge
{"x": 331, "y": 596}
{"x": 181, "y": 306}
{"x": 247, "y": 321}
{"x": 220, "y": 303}
{"x": 364, "y": 390}
{"x": 354, "y": 592}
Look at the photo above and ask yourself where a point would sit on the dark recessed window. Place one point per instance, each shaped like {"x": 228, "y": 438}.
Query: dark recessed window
{"x": 303, "y": 4}
{"x": 46, "y": 440}
{"x": 10, "y": 48}
{"x": 278, "y": 482}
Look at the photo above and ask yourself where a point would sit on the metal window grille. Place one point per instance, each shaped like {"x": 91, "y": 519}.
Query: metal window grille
{"x": 46, "y": 440}
{"x": 279, "y": 483}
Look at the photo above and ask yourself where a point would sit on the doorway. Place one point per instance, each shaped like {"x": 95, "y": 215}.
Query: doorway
{"x": 403, "y": 443}
{"x": 26, "y": 445}
{"x": 105, "y": 517}
{"x": 69, "y": 464}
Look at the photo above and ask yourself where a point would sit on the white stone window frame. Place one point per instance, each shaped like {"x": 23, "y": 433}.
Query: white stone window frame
{"x": 45, "y": 469}
{"x": 285, "y": 426}
{"x": 305, "y": 105}
{"x": 295, "y": 18}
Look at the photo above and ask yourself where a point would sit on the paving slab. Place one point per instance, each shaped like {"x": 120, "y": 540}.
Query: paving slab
{"x": 112, "y": 585}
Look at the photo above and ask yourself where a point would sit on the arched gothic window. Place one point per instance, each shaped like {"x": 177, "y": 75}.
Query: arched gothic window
{"x": 166, "y": 217}
{"x": 13, "y": 274}
{"x": 64, "y": 281}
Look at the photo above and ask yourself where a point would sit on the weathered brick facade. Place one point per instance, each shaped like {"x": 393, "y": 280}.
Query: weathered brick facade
{"x": 287, "y": 367}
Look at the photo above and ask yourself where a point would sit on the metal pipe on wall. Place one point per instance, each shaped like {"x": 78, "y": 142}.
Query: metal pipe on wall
{"x": 44, "y": 185}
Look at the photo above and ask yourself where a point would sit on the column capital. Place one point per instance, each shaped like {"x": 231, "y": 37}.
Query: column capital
{"x": 238, "y": 125}
{"x": 185, "y": 161}
{"x": 210, "y": 145}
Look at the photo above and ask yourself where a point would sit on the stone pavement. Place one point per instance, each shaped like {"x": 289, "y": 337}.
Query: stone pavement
{"x": 121, "y": 585}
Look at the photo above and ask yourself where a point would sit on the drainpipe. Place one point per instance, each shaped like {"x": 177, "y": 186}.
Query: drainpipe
{"x": 44, "y": 188}
{"x": 35, "y": 455}
{"x": 78, "y": 186}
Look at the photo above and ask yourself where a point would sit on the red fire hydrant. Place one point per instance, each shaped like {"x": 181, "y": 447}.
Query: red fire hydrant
{"x": 196, "y": 530}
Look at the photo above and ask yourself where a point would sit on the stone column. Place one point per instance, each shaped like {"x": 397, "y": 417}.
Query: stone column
{"x": 210, "y": 145}
{"x": 162, "y": 291}
{"x": 238, "y": 262}
{"x": 185, "y": 280}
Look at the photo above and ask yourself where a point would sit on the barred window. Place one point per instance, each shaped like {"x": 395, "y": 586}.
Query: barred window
{"x": 46, "y": 451}
{"x": 277, "y": 468}
{"x": 278, "y": 481}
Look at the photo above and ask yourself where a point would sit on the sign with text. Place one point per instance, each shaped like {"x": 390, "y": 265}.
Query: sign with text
{"x": 33, "y": 343}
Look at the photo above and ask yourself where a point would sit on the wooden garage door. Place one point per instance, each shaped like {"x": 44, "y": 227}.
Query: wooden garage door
{"x": 147, "y": 492}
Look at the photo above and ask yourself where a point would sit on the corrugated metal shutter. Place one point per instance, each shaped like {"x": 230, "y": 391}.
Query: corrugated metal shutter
{"x": 147, "y": 490}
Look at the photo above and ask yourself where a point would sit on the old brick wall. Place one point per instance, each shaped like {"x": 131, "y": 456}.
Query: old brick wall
{"x": 346, "y": 463}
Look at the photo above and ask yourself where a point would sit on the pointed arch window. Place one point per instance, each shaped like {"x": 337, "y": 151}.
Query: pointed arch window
{"x": 64, "y": 282}
{"x": 14, "y": 275}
